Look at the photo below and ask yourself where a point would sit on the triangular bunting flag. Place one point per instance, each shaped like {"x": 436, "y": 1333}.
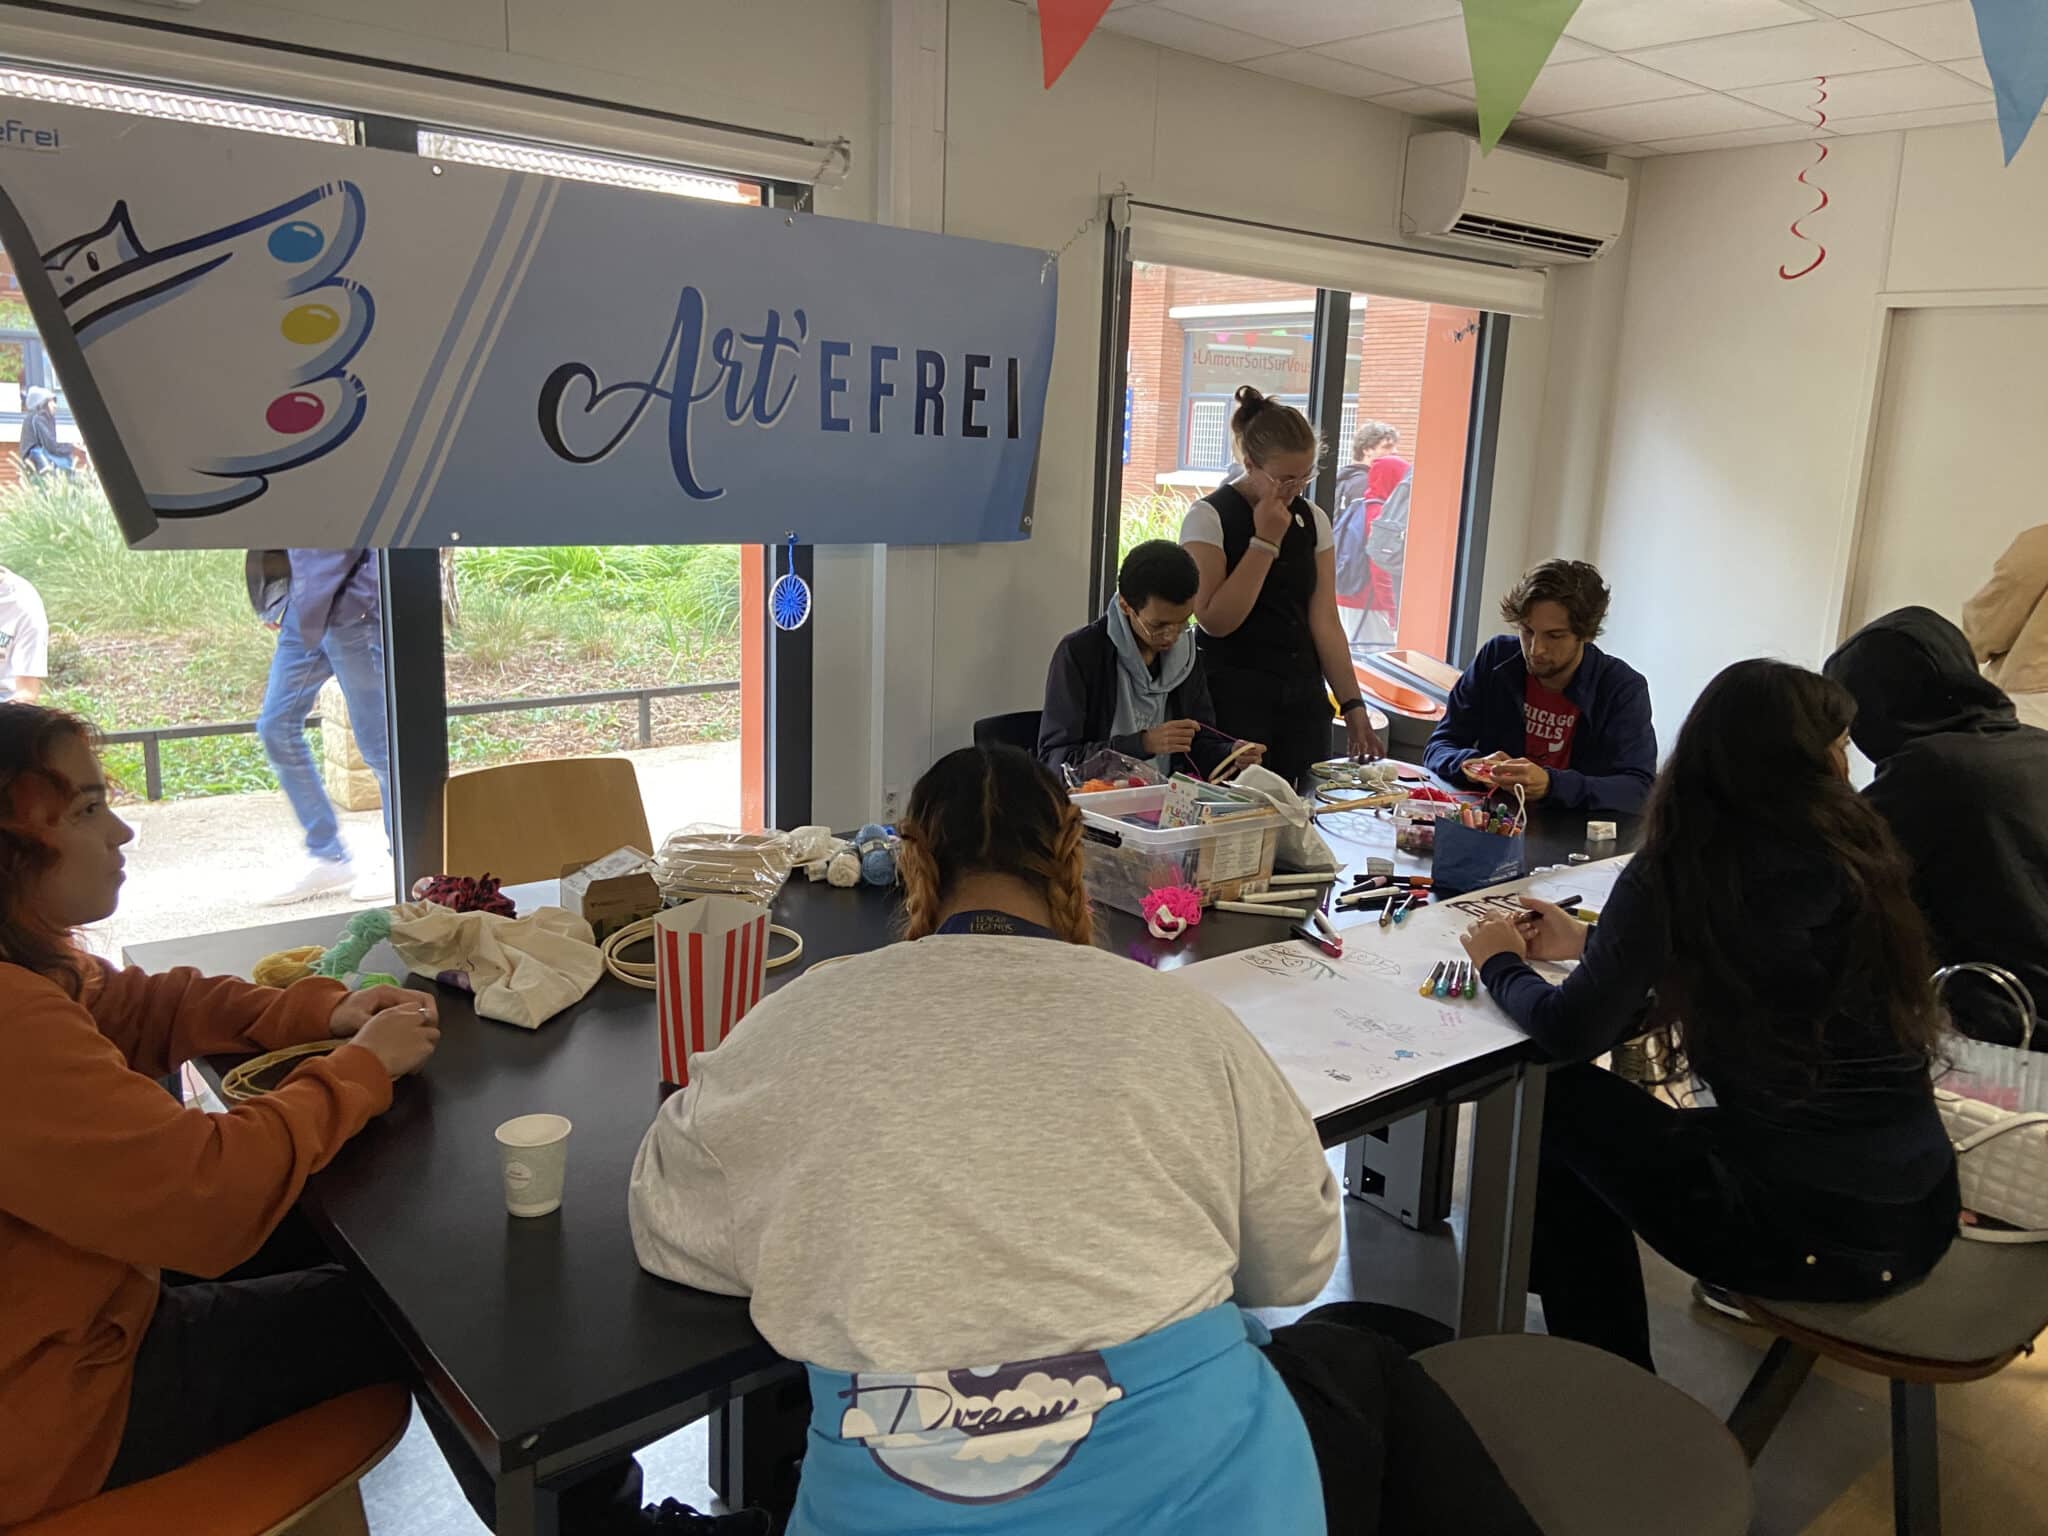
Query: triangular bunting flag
{"x": 1509, "y": 41}
{"x": 2014, "y": 36}
{"x": 1063, "y": 26}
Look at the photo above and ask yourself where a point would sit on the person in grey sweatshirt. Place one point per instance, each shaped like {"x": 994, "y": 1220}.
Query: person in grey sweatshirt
{"x": 1003, "y": 1194}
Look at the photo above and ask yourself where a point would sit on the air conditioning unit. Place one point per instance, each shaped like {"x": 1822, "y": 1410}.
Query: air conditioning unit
{"x": 1526, "y": 208}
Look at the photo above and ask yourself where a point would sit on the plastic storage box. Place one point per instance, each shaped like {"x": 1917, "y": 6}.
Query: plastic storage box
{"x": 1222, "y": 859}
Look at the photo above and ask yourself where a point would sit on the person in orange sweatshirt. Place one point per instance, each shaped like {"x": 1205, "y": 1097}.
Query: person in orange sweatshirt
{"x": 110, "y": 1370}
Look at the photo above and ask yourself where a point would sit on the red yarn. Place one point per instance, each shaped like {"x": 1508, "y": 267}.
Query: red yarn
{"x": 461, "y": 893}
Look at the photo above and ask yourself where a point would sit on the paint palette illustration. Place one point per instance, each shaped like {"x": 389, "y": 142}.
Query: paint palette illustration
{"x": 258, "y": 313}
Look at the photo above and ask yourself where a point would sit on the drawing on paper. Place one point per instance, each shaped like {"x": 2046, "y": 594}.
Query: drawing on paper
{"x": 1373, "y": 964}
{"x": 1290, "y": 964}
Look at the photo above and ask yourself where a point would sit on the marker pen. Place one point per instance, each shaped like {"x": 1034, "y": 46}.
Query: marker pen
{"x": 1436, "y": 980}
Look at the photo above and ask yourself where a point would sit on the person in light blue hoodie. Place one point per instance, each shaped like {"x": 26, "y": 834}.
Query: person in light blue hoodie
{"x": 1033, "y": 1186}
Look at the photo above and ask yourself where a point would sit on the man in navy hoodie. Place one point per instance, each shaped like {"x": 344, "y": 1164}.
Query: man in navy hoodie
{"x": 1546, "y": 709}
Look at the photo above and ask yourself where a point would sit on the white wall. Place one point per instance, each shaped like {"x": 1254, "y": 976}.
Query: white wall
{"x": 1741, "y": 401}
{"x": 911, "y": 648}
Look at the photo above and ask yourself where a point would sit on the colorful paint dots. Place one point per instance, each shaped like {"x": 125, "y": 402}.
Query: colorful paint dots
{"x": 310, "y": 324}
{"x": 296, "y": 412}
{"x": 297, "y": 241}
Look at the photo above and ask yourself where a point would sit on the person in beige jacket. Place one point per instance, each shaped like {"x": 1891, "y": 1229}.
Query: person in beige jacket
{"x": 2007, "y": 624}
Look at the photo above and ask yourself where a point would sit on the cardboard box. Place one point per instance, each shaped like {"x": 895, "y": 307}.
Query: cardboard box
{"x": 610, "y": 892}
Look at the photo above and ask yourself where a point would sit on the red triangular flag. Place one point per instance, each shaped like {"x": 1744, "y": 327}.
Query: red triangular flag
{"x": 1063, "y": 26}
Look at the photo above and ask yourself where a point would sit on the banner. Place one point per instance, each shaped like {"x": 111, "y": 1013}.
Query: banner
{"x": 273, "y": 343}
{"x": 2014, "y": 37}
{"x": 1063, "y": 26}
{"x": 1510, "y": 41}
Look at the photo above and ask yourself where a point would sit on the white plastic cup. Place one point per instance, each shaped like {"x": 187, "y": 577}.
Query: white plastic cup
{"x": 533, "y": 1155}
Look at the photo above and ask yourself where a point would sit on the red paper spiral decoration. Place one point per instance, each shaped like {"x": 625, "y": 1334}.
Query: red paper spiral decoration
{"x": 1820, "y": 117}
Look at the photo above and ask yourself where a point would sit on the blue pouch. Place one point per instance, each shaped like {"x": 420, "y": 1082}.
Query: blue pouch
{"x": 1468, "y": 859}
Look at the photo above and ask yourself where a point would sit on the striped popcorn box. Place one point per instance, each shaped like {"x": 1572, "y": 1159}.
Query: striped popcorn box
{"x": 710, "y": 967}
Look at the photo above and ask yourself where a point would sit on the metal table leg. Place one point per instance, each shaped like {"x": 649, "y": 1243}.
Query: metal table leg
{"x": 1507, "y": 1131}
{"x": 525, "y": 1508}
{"x": 757, "y": 1441}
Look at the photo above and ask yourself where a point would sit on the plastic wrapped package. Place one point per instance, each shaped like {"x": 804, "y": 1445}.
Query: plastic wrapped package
{"x": 702, "y": 860}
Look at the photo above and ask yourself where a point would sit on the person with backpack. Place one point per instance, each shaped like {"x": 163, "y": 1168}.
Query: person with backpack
{"x": 1365, "y": 487}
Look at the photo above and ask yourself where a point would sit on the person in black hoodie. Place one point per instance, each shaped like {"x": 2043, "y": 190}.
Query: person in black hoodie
{"x": 1133, "y": 681}
{"x": 1766, "y": 935}
{"x": 1964, "y": 786}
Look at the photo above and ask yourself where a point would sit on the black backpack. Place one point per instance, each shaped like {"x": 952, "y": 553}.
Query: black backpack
{"x": 1386, "y": 542}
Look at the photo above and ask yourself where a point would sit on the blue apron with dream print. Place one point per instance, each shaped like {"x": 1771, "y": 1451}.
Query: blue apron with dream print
{"x": 1187, "y": 1430}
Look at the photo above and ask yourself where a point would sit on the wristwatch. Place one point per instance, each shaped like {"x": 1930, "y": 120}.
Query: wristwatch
{"x": 1354, "y": 702}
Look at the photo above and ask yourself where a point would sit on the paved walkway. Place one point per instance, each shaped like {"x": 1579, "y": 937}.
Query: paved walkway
{"x": 202, "y": 866}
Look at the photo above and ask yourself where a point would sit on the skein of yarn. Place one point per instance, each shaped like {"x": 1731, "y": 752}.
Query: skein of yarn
{"x": 843, "y": 870}
{"x": 877, "y": 851}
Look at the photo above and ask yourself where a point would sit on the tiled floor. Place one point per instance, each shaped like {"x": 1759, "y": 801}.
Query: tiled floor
{"x": 1827, "y": 1472}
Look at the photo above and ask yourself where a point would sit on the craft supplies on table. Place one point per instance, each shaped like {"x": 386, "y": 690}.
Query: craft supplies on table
{"x": 721, "y": 861}
{"x": 1138, "y": 840}
{"x": 610, "y": 892}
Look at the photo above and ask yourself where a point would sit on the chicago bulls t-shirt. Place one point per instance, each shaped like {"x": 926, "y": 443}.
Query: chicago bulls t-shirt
{"x": 1548, "y": 720}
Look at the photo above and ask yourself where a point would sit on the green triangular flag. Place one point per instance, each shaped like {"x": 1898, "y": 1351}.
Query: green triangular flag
{"x": 1509, "y": 40}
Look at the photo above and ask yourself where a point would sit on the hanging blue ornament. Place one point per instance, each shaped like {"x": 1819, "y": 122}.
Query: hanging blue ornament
{"x": 789, "y": 600}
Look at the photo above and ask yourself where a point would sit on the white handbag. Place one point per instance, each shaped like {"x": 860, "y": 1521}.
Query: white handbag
{"x": 2001, "y": 1152}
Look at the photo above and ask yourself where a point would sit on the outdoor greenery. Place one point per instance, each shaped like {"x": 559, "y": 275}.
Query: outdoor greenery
{"x": 1153, "y": 515}
{"x": 143, "y": 637}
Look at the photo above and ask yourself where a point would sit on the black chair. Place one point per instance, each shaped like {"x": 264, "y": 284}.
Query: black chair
{"x": 1019, "y": 729}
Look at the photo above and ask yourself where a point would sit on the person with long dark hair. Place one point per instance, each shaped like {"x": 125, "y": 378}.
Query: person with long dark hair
{"x": 1767, "y": 935}
{"x": 106, "y": 1180}
{"x": 1031, "y": 1182}
{"x": 1272, "y": 639}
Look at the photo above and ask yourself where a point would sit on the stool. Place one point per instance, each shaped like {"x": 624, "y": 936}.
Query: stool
{"x": 1592, "y": 1445}
{"x": 1978, "y": 1309}
{"x": 298, "y": 1475}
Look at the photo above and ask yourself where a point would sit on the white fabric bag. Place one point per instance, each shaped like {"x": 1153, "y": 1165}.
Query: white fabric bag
{"x": 522, "y": 970}
{"x": 1301, "y": 846}
{"x": 2001, "y": 1153}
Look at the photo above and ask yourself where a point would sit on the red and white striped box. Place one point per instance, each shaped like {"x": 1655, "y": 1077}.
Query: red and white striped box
{"x": 711, "y": 964}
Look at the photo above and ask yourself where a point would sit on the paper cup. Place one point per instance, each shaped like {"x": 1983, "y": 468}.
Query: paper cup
{"x": 533, "y": 1154}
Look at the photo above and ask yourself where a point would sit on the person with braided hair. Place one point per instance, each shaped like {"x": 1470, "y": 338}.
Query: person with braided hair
{"x": 1003, "y": 1193}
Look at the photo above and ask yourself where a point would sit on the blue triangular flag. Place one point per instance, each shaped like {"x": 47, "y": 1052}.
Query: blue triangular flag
{"x": 2014, "y": 36}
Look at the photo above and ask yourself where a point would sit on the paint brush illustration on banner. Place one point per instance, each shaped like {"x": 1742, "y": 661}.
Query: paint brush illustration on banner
{"x": 1510, "y": 40}
{"x": 2014, "y": 36}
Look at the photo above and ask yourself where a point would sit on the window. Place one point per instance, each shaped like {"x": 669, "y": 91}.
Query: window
{"x": 1195, "y": 336}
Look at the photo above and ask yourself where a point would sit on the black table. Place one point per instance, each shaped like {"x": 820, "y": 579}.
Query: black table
{"x": 545, "y": 1340}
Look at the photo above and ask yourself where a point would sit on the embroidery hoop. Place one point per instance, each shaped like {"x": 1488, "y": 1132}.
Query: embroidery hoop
{"x": 789, "y": 600}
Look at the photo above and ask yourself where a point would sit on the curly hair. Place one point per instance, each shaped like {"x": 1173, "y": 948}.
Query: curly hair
{"x": 1572, "y": 583}
{"x": 29, "y": 787}
{"x": 992, "y": 810}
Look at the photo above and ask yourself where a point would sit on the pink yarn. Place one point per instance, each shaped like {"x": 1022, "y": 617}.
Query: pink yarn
{"x": 1171, "y": 910}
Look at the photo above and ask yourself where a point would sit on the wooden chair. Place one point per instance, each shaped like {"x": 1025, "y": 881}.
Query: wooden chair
{"x": 525, "y": 821}
{"x": 1592, "y": 1445}
{"x": 300, "y": 1475}
{"x": 1982, "y": 1305}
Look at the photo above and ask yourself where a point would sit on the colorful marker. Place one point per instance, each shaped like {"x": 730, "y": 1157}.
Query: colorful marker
{"x": 1443, "y": 987}
{"x": 1469, "y": 978}
{"x": 1430, "y": 988}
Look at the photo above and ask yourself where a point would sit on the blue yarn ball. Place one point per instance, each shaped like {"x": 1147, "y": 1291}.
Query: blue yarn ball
{"x": 877, "y": 863}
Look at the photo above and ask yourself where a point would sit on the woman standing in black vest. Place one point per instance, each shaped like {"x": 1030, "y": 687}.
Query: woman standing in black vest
{"x": 1271, "y": 638}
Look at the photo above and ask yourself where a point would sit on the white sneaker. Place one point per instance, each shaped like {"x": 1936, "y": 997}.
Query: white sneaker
{"x": 375, "y": 883}
{"x": 318, "y": 878}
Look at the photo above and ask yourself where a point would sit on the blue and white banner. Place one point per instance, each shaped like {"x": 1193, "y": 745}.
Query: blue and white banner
{"x": 272, "y": 343}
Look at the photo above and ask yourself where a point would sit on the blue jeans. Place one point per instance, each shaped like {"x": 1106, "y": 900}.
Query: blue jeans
{"x": 354, "y": 654}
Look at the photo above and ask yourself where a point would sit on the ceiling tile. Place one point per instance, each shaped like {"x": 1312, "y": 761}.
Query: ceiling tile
{"x": 1593, "y": 83}
{"x": 1295, "y": 23}
{"x": 1778, "y": 53}
{"x": 1741, "y": 138}
{"x": 1424, "y": 102}
{"x": 1971, "y": 69}
{"x": 1430, "y": 54}
{"x": 1883, "y": 90}
{"x": 1647, "y": 121}
{"x": 1947, "y": 31}
{"x": 1864, "y": 7}
{"x": 1170, "y": 29}
{"x": 1621, "y": 24}
{"x": 1385, "y": 15}
{"x": 1327, "y": 74}
{"x": 1932, "y": 117}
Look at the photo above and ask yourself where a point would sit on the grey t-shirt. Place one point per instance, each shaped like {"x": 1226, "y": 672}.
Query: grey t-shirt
{"x": 976, "y": 1149}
